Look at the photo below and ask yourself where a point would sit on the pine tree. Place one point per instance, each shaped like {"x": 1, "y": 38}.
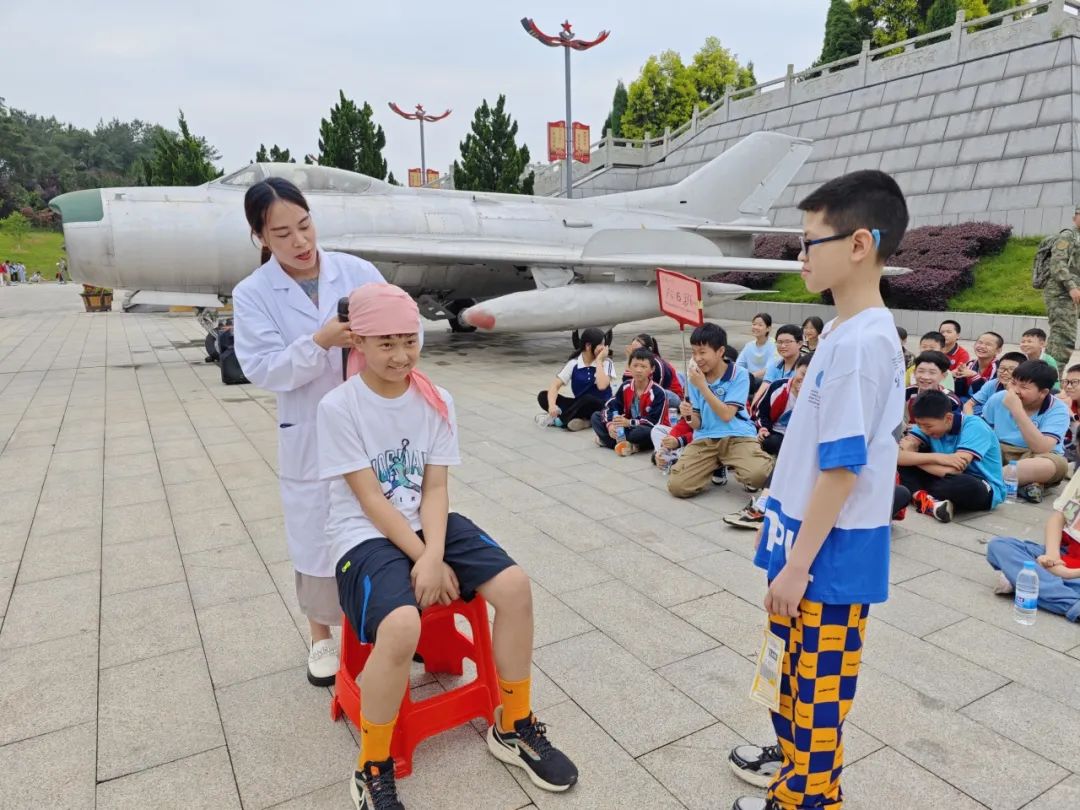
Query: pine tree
{"x": 942, "y": 14}
{"x": 179, "y": 159}
{"x": 351, "y": 140}
{"x": 491, "y": 160}
{"x": 842, "y": 36}
{"x": 618, "y": 107}
{"x": 275, "y": 155}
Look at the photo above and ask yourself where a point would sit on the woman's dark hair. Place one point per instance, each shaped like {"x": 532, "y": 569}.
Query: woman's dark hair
{"x": 261, "y": 196}
{"x": 649, "y": 342}
{"x": 815, "y": 322}
{"x": 766, "y": 319}
{"x": 804, "y": 360}
{"x": 591, "y": 338}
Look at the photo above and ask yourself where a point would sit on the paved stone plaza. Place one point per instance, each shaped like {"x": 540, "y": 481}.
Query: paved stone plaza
{"x": 151, "y": 652}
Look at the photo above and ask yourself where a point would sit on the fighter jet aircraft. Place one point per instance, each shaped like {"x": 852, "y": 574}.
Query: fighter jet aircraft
{"x": 480, "y": 260}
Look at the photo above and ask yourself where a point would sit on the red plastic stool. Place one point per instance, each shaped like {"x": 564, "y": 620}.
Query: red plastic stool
{"x": 443, "y": 648}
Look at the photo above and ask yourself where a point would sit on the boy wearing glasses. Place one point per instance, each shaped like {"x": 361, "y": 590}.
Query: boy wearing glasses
{"x": 1070, "y": 395}
{"x": 825, "y": 538}
{"x": 1005, "y": 368}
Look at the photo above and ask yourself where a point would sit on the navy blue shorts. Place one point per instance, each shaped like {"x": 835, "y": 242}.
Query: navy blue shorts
{"x": 373, "y": 578}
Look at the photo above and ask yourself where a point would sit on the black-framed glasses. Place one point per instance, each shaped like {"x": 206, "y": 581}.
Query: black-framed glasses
{"x": 805, "y": 244}
{"x": 1070, "y": 383}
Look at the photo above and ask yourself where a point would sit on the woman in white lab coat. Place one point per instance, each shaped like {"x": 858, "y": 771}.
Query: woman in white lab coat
{"x": 288, "y": 338}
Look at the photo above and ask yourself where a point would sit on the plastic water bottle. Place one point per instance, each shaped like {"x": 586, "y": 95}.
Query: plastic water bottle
{"x": 1012, "y": 483}
{"x": 1026, "y": 603}
{"x": 669, "y": 458}
{"x": 620, "y": 434}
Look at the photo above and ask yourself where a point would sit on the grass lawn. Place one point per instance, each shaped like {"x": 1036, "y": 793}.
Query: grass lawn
{"x": 40, "y": 251}
{"x": 1002, "y": 284}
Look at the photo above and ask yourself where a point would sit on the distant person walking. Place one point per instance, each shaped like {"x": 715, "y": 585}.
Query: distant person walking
{"x": 1062, "y": 293}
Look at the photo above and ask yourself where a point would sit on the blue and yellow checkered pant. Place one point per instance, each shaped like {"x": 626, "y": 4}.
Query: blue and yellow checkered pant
{"x": 821, "y": 666}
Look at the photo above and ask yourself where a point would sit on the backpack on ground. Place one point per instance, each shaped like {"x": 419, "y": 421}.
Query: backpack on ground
{"x": 231, "y": 373}
{"x": 1040, "y": 265}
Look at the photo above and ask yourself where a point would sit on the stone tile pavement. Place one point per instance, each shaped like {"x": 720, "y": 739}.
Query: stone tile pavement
{"x": 151, "y": 651}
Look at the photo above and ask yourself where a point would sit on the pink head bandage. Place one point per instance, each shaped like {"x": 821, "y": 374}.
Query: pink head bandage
{"x": 383, "y": 309}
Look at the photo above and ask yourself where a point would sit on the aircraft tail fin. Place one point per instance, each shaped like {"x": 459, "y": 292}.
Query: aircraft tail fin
{"x": 742, "y": 183}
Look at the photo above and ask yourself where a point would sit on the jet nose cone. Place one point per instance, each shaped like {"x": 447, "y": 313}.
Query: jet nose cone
{"x": 475, "y": 316}
{"x": 79, "y": 206}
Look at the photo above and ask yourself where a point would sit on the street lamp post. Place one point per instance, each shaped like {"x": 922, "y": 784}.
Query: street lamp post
{"x": 566, "y": 41}
{"x": 421, "y": 116}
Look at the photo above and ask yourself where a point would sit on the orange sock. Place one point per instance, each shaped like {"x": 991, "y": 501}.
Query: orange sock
{"x": 374, "y": 741}
{"x": 515, "y": 702}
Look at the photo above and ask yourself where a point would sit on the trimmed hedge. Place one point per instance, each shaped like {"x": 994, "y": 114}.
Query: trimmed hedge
{"x": 941, "y": 258}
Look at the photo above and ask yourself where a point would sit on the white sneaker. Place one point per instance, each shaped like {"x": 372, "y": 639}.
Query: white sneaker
{"x": 1003, "y": 587}
{"x": 544, "y": 420}
{"x": 322, "y": 662}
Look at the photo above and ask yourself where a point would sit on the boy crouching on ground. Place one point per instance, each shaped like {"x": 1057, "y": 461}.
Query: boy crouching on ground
{"x": 386, "y": 438}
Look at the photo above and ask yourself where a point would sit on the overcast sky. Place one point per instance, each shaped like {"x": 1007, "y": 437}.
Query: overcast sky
{"x": 247, "y": 73}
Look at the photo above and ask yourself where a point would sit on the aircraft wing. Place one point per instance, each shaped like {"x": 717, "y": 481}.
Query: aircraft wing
{"x": 607, "y": 256}
{"x": 635, "y": 249}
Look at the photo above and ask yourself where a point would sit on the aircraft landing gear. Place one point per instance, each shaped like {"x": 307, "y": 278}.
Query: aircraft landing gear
{"x": 455, "y": 308}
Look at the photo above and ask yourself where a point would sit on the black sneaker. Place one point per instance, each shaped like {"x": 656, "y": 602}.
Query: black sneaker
{"x": 756, "y": 764}
{"x": 527, "y": 747}
{"x": 1032, "y": 493}
{"x": 719, "y": 477}
{"x": 374, "y": 788}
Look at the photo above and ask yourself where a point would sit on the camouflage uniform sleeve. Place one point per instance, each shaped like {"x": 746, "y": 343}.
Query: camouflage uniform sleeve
{"x": 1061, "y": 260}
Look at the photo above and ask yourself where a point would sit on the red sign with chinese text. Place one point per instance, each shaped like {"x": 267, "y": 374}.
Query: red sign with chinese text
{"x": 680, "y": 297}
{"x": 582, "y": 150}
{"x": 415, "y": 180}
{"x": 556, "y": 138}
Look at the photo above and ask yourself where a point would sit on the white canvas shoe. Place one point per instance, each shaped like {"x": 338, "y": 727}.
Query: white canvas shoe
{"x": 322, "y": 662}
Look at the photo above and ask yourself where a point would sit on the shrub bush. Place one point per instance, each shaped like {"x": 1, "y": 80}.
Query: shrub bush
{"x": 941, "y": 258}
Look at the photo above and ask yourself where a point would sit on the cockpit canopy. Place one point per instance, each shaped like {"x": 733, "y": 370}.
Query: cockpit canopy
{"x": 307, "y": 178}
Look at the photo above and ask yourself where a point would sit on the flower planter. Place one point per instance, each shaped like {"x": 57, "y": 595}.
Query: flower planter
{"x": 97, "y": 301}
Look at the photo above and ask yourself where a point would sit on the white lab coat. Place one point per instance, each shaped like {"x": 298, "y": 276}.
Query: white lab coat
{"x": 274, "y": 320}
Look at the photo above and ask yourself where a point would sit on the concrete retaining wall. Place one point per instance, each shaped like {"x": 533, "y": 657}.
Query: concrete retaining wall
{"x": 984, "y": 128}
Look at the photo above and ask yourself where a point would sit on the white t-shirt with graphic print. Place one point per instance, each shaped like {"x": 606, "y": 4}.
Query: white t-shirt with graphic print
{"x": 397, "y": 438}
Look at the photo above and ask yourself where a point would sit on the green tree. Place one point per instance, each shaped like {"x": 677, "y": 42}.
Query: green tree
{"x": 887, "y": 21}
{"x": 275, "y": 155}
{"x": 392, "y": 180}
{"x": 715, "y": 70}
{"x": 491, "y": 160}
{"x": 942, "y": 14}
{"x": 350, "y": 139}
{"x": 179, "y": 159}
{"x": 663, "y": 96}
{"x": 16, "y": 226}
{"x": 842, "y": 37}
{"x": 618, "y": 107}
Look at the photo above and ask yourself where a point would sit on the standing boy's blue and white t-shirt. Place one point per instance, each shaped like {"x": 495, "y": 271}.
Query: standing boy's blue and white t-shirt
{"x": 397, "y": 438}
{"x": 755, "y": 358}
{"x": 848, "y": 415}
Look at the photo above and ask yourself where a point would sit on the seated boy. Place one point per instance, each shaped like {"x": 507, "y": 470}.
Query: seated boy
{"x": 776, "y": 406}
{"x": 931, "y": 342}
{"x": 1005, "y": 368}
{"x": 957, "y": 354}
{"x": 637, "y": 407}
{"x": 948, "y": 461}
{"x": 386, "y": 438}
{"x": 929, "y": 375}
{"x": 724, "y": 436}
{"x": 1031, "y": 423}
{"x": 974, "y": 374}
{"x": 1071, "y": 397}
{"x": 1033, "y": 345}
{"x": 1057, "y": 561}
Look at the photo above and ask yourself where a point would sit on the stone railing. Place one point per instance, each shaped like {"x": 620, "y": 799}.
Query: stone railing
{"x": 1035, "y": 21}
